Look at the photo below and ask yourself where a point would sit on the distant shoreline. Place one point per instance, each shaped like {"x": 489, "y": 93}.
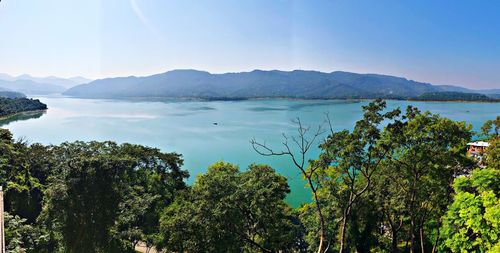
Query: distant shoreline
{"x": 5, "y": 117}
{"x": 458, "y": 101}
{"x": 157, "y": 99}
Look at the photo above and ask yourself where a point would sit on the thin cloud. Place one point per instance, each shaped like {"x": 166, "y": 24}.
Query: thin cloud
{"x": 144, "y": 20}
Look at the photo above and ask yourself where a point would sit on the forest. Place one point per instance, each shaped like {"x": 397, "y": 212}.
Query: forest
{"x": 11, "y": 94}
{"x": 454, "y": 96}
{"x": 9, "y": 106}
{"x": 399, "y": 181}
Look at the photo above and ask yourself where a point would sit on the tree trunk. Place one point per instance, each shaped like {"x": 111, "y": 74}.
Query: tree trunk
{"x": 422, "y": 249}
{"x": 394, "y": 232}
{"x": 394, "y": 242}
{"x": 322, "y": 236}
{"x": 406, "y": 245}
{"x": 342, "y": 234}
{"x": 345, "y": 215}
{"x": 320, "y": 214}
{"x": 434, "y": 247}
{"x": 321, "y": 240}
{"x": 412, "y": 235}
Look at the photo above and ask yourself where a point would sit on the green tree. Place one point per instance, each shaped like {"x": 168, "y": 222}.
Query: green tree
{"x": 23, "y": 169}
{"x": 84, "y": 194}
{"x": 27, "y": 180}
{"x": 426, "y": 153}
{"x": 296, "y": 148}
{"x": 89, "y": 198}
{"x": 472, "y": 222}
{"x": 349, "y": 160}
{"x": 491, "y": 128}
{"x": 23, "y": 237}
{"x": 492, "y": 155}
{"x": 152, "y": 187}
{"x": 129, "y": 225}
{"x": 231, "y": 211}
{"x": 269, "y": 221}
{"x": 6, "y": 152}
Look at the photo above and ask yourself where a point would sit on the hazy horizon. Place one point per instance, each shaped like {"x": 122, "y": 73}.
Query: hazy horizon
{"x": 450, "y": 42}
{"x": 106, "y": 77}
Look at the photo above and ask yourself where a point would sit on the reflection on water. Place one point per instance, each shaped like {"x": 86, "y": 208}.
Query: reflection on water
{"x": 263, "y": 109}
{"x": 313, "y": 103}
{"x": 304, "y": 104}
{"x": 22, "y": 116}
{"x": 202, "y": 108}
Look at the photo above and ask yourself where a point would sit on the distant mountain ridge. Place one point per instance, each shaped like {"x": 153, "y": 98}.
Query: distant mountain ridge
{"x": 39, "y": 85}
{"x": 260, "y": 84}
{"x": 11, "y": 94}
{"x": 465, "y": 90}
{"x": 30, "y": 87}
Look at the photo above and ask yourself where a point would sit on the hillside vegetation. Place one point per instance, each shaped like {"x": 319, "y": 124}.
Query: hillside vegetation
{"x": 256, "y": 84}
{"x": 454, "y": 96}
{"x": 9, "y": 106}
{"x": 11, "y": 94}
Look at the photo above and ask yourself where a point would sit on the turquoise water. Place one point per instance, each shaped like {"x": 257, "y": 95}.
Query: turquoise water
{"x": 188, "y": 127}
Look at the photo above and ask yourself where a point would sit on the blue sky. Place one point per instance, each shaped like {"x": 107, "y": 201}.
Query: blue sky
{"x": 443, "y": 42}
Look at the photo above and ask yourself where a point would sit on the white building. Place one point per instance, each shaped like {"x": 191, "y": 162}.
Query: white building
{"x": 476, "y": 149}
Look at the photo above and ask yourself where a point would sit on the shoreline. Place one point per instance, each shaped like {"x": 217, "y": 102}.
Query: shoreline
{"x": 457, "y": 101}
{"x": 5, "y": 117}
{"x": 190, "y": 99}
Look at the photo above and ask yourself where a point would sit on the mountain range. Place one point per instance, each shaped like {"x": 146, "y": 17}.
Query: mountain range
{"x": 39, "y": 85}
{"x": 262, "y": 84}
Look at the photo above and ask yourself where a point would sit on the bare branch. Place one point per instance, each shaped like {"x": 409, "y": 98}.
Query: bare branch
{"x": 264, "y": 150}
{"x": 303, "y": 144}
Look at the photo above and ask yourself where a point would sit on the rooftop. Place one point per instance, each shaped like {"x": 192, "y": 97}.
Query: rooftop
{"x": 479, "y": 144}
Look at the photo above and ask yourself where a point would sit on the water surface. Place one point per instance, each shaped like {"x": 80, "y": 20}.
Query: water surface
{"x": 187, "y": 127}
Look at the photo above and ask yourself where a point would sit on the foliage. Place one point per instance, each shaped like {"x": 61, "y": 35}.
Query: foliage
{"x": 491, "y": 128}
{"x": 472, "y": 222}
{"x": 94, "y": 189}
{"x": 391, "y": 181}
{"x": 492, "y": 155}
{"x": 231, "y": 211}
{"x": 454, "y": 96}
{"x": 426, "y": 154}
{"x": 10, "y": 106}
{"x": 86, "y": 197}
{"x": 84, "y": 194}
{"x": 347, "y": 163}
{"x": 21, "y": 236}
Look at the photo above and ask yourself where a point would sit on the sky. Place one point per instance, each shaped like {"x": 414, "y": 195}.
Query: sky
{"x": 443, "y": 42}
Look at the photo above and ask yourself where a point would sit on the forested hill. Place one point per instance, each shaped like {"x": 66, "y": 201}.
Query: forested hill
{"x": 256, "y": 84}
{"x": 455, "y": 96}
{"x": 9, "y": 106}
{"x": 11, "y": 94}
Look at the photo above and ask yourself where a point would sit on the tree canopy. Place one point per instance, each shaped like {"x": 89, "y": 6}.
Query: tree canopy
{"x": 231, "y": 211}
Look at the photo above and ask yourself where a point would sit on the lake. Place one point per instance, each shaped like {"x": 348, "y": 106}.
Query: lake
{"x": 187, "y": 127}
